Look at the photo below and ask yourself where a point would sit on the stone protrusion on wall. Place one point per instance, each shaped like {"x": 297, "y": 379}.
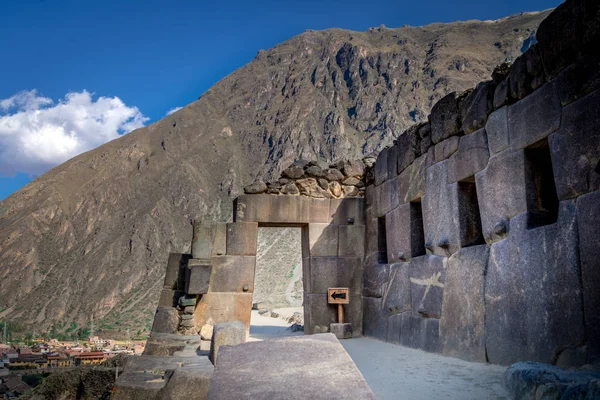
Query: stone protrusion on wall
{"x": 344, "y": 179}
{"x": 499, "y": 171}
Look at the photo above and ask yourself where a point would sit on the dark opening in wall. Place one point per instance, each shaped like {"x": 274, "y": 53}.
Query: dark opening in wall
{"x": 381, "y": 241}
{"x": 542, "y": 200}
{"x": 471, "y": 233}
{"x": 417, "y": 233}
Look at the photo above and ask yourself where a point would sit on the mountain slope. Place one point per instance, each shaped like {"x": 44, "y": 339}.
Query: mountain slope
{"x": 91, "y": 237}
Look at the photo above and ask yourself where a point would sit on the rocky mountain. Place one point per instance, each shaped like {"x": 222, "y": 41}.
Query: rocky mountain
{"x": 91, "y": 237}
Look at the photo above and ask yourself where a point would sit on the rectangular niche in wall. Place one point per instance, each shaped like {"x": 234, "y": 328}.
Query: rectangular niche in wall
{"x": 417, "y": 233}
{"x": 471, "y": 233}
{"x": 381, "y": 241}
{"x": 542, "y": 200}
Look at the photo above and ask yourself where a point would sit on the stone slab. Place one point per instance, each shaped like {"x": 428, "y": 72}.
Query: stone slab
{"x": 397, "y": 295}
{"x": 427, "y": 278}
{"x": 268, "y": 209}
{"x": 588, "y": 222}
{"x": 233, "y": 274}
{"x": 217, "y": 307}
{"x": 326, "y": 371}
{"x": 341, "y": 331}
{"x": 497, "y": 130}
{"x": 501, "y": 191}
{"x": 202, "y": 239}
{"x": 374, "y": 320}
{"x": 392, "y": 161}
{"x": 375, "y": 279}
{"x": 407, "y": 144}
{"x": 347, "y": 211}
{"x": 534, "y": 118}
{"x": 175, "y": 265}
{"x": 381, "y": 167}
{"x": 445, "y": 118}
{"x": 471, "y": 157}
{"x": 191, "y": 381}
{"x": 169, "y": 297}
{"x": 351, "y": 241}
{"x": 417, "y": 332}
{"x": 197, "y": 276}
{"x": 533, "y": 291}
{"x": 321, "y": 239}
{"x": 326, "y": 272}
{"x": 462, "y": 321}
{"x": 231, "y": 333}
{"x": 575, "y": 148}
{"x": 404, "y": 232}
{"x": 444, "y": 149}
{"x": 242, "y": 238}
{"x": 166, "y": 320}
{"x": 476, "y": 107}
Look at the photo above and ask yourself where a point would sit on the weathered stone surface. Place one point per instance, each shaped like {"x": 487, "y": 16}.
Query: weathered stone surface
{"x": 578, "y": 79}
{"x": 476, "y": 107}
{"x": 293, "y": 172}
{"x": 446, "y": 148}
{"x": 217, "y": 307}
{"x": 197, "y": 276}
{"x": 350, "y": 191}
{"x": 440, "y": 212}
{"x": 416, "y": 332}
{"x": 575, "y": 148}
{"x": 445, "y": 118}
{"x": 526, "y": 74}
{"x": 381, "y": 167}
{"x": 382, "y": 196}
{"x": 310, "y": 187}
{"x": 189, "y": 382}
{"x": 281, "y": 209}
{"x": 375, "y": 279}
{"x": 341, "y": 331}
{"x": 206, "y": 332}
{"x": 427, "y": 278}
{"x": 534, "y": 118}
{"x": 166, "y": 320}
{"x": 410, "y": 184}
{"x": 350, "y": 181}
{"x": 230, "y": 333}
{"x": 497, "y": 130}
{"x": 326, "y": 272}
{"x": 258, "y": 186}
{"x": 374, "y": 321}
{"x": 397, "y": 297}
{"x": 588, "y": 222}
{"x": 241, "y": 238}
{"x": 502, "y": 94}
{"x": 531, "y": 381}
{"x": 501, "y": 191}
{"x": 354, "y": 168}
{"x": 392, "y": 161}
{"x": 425, "y": 142}
{"x": 202, "y": 239}
{"x": 351, "y": 241}
{"x": 336, "y": 189}
{"x": 290, "y": 189}
{"x": 315, "y": 171}
{"x": 347, "y": 211}
{"x": 333, "y": 174}
{"x": 407, "y": 144}
{"x": 175, "y": 265}
{"x": 169, "y": 297}
{"x": 472, "y": 156}
{"x": 462, "y": 321}
{"x": 318, "y": 315}
{"x": 321, "y": 239}
{"x": 232, "y": 274}
{"x": 544, "y": 300}
{"x": 187, "y": 300}
{"x": 404, "y": 232}
{"x": 331, "y": 374}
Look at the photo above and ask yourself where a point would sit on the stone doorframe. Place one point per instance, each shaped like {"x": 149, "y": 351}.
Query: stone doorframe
{"x": 333, "y": 242}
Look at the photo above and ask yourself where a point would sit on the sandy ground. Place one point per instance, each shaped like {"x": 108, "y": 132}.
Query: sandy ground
{"x": 396, "y": 372}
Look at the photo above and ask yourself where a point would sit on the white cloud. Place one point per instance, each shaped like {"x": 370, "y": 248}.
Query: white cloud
{"x": 173, "y": 110}
{"x": 37, "y": 134}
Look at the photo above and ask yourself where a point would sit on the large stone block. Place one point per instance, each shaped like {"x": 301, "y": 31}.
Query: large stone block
{"x": 351, "y": 241}
{"x": 575, "y": 148}
{"x": 375, "y": 279}
{"x": 190, "y": 382}
{"x": 526, "y": 74}
{"x": 219, "y": 247}
{"x": 175, "y": 276}
{"x": 440, "y": 212}
{"x": 372, "y": 231}
{"x": 397, "y": 297}
{"x": 242, "y": 238}
{"x": 410, "y": 184}
{"x": 407, "y": 144}
{"x": 404, "y": 232}
{"x": 320, "y": 240}
{"x": 230, "y": 333}
{"x": 318, "y": 314}
{"x": 232, "y": 274}
{"x": 342, "y": 211}
{"x": 427, "y": 278}
{"x": 533, "y": 296}
{"x": 445, "y": 118}
{"x": 264, "y": 208}
{"x": 444, "y": 149}
{"x": 169, "y": 297}
{"x": 462, "y": 328}
{"x": 265, "y": 370}
{"x": 326, "y": 272}
{"x": 202, "y": 239}
{"x": 418, "y": 332}
{"x": 374, "y": 321}
{"x": 476, "y": 107}
{"x": 578, "y": 79}
{"x": 392, "y": 160}
{"x": 588, "y": 221}
{"x": 497, "y": 130}
{"x": 217, "y": 307}
{"x": 501, "y": 192}
{"x": 534, "y": 118}
{"x": 472, "y": 156}
{"x": 383, "y": 196}
{"x": 197, "y": 276}
{"x": 166, "y": 320}
{"x": 381, "y": 167}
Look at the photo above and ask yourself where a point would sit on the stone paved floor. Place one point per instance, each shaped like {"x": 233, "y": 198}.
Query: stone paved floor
{"x": 396, "y": 372}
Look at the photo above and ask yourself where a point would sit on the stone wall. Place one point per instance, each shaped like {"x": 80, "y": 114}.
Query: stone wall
{"x": 483, "y": 223}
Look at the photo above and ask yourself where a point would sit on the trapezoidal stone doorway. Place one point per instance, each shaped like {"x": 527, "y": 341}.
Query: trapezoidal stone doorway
{"x": 333, "y": 241}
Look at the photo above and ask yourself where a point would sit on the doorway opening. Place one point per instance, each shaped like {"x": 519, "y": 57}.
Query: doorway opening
{"x": 277, "y": 301}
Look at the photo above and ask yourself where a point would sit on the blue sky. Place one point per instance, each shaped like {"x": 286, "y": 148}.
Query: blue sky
{"x": 144, "y": 58}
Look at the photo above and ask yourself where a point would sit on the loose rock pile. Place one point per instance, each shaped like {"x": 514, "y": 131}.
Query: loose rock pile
{"x": 319, "y": 179}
